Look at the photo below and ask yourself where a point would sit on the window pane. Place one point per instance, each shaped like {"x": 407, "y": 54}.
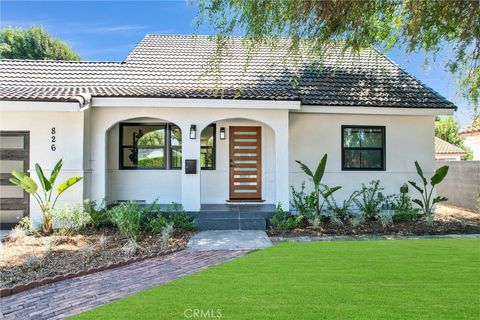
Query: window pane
{"x": 363, "y": 159}
{"x": 176, "y": 158}
{"x": 206, "y": 158}
{"x": 143, "y": 157}
{"x": 362, "y": 137}
{"x": 146, "y": 135}
{"x": 175, "y": 136}
{"x": 207, "y": 136}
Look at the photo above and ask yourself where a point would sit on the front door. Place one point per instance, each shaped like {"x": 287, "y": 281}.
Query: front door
{"x": 14, "y": 155}
{"x": 245, "y": 163}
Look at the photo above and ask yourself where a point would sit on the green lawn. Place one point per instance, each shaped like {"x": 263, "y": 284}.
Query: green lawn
{"x": 399, "y": 279}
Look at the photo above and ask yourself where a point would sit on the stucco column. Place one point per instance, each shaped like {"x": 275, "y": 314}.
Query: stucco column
{"x": 190, "y": 182}
{"x": 281, "y": 162}
{"x": 98, "y": 164}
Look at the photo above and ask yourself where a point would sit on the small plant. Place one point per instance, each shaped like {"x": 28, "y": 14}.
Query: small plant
{"x": 167, "y": 232}
{"x": 47, "y": 200}
{"x": 98, "y": 213}
{"x": 102, "y": 241}
{"x": 87, "y": 253}
{"x": 32, "y": 262}
{"x": 281, "y": 220}
{"x": 304, "y": 203}
{"x": 317, "y": 183}
{"x": 356, "y": 219}
{"x": 131, "y": 247}
{"x": 157, "y": 224}
{"x": 463, "y": 222}
{"x": 344, "y": 210}
{"x": 371, "y": 199}
{"x": 17, "y": 234}
{"x": 48, "y": 248}
{"x": 27, "y": 224}
{"x": 427, "y": 204}
{"x": 404, "y": 210}
{"x": 182, "y": 221}
{"x": 127, "y": 217}
{"x": 386, "y": 217}
{"x": 430, "y": 221}
{"x": 70, "y": 219}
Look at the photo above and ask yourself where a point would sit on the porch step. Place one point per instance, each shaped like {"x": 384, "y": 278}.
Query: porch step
{"x": 204, "y": 223}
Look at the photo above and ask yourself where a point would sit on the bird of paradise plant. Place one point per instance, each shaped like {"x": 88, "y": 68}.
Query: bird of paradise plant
{"x": 47, "y": 200}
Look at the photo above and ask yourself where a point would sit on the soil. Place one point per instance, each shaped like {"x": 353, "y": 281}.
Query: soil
{"x": 36, "y": 257}
{"x": 448, "y": 220}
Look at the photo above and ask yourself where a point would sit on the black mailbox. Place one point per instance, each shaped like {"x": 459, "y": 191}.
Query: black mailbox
{"x": 191, "y": 166}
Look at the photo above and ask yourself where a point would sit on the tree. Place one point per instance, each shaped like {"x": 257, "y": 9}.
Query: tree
{"x": 415, "y": 24}
{"x": 33, "y": 43}
{"x": 447, "y": 129}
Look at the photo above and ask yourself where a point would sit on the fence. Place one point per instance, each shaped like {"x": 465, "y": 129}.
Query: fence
{"x": 462, "y": 184}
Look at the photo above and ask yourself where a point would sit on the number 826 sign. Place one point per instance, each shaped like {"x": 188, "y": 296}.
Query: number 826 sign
{"x": 53, "y": 140}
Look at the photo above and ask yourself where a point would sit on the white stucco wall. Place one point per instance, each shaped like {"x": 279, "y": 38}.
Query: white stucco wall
{"x": 69, "y": 145}
{"x": 408, "y": 138}
{"x": 472, "y": 140}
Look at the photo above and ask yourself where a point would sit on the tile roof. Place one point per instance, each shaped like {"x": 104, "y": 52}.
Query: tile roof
{"x": 177, "y": 67}
{"x": 444, "y": 147}
{"x": 472, "y": 127}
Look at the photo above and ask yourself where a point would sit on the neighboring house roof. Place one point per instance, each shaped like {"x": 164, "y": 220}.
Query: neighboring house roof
{"x": 444, "y": 147}
{"x": 472, "y": 127}
{"x": 177, "y": 67}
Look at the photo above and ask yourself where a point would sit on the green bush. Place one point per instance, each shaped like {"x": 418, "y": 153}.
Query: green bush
{"x": 182, "y": 221}
{"x": 304, "y": 203}
{"x": 403, "y": 206}
{"x": 282, "y": 220}
{"x": 157, "y": 224}
{"x": 98, "y": 214}
{"x": 70, "y": 219}
{"x": 371, "y": 199}
{"x": 127, "y": 217}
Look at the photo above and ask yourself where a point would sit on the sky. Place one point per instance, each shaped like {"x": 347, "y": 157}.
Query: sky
{"x": 109, "y": 30}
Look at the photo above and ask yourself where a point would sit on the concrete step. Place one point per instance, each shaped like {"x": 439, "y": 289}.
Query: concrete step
{"x": 203, "y": 223}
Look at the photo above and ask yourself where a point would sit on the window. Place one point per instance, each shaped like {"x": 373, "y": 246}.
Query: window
{"x": 363, "y": 148}
{"x": 207, "y": 148}
{"x": 142, "y": 146}
{"x": 175, "y": 147}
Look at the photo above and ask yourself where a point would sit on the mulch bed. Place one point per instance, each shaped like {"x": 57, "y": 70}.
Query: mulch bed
{"x": 35, "y": 258}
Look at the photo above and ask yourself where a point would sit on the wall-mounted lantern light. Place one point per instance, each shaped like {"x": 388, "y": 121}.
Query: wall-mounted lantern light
{"x": 193, "y": 131}
{"x": 222, "y": 133}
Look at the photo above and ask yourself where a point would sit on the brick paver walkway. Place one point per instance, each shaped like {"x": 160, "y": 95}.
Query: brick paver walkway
{"x": 65, "y": 298}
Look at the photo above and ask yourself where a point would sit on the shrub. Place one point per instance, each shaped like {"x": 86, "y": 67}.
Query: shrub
{"x": 99, "y": 215}
{"x": 127, "y": 217}
{"x": 282, "y": 220}
{"x": 386, "y": 217}
{"x": 70, "y": 219}
{"x": 404, "y": 210}
{"x": 157, "y": 224}
{"x": 356, "y": 219}
{"x": 167, "y": 232}
{"x": 344, "y": 210}
{"x": 304, "y": 203}
{"x": 371, "y": 198}
{"x": 131, "y": 247}
{"x": 182, "y": 221}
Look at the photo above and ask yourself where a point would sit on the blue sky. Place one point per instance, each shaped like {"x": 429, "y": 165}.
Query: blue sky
{"x": 108, "y": 30}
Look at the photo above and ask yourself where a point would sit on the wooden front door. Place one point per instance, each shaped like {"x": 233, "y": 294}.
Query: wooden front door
{"x": 14, "y": 155}
{"x": 245, "y": 163}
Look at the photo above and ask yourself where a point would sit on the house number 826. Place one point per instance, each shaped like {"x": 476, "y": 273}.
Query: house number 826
{"x": 53, "y": 139}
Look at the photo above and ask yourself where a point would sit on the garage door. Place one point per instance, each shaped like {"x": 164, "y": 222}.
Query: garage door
{"x": 14, "y": 155}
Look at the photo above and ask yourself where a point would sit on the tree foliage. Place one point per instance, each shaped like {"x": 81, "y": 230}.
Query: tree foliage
{"x": 447, "y": 129}
{"x": 33, "y": 43}
{"x": 414, "y": 24}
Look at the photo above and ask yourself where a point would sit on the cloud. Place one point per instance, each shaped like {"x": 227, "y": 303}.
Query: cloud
{"x": 113, "y": 28}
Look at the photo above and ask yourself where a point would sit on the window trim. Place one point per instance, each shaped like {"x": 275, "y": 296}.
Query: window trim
{"x": 382, "y": 148}
{"x": 121, "y": 165}
{"x": 214, "y": 147}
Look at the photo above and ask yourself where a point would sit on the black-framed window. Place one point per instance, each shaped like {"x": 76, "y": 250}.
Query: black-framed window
{"x": 142, "y": 146}
{"x": 208, "y": 148}
{"x": 175, "y": 146}
{"x": 363, "y": 148}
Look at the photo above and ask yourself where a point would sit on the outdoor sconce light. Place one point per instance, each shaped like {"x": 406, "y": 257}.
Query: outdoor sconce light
{"x": 222, "y": 133}
{"x": 193, "y": 131}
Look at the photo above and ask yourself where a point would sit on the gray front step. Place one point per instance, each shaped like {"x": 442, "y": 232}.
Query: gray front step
{"x": 203, "y": 223}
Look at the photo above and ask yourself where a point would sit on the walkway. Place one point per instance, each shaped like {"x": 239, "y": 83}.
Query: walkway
{"x": 229, "y": 240}
{"x": 65, "y": 298}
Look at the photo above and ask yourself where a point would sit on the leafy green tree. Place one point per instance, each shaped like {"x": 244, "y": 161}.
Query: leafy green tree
{"x": 33, "y": 43}
{"x": 447, "y": 129}
{"x": 417, "y": 25}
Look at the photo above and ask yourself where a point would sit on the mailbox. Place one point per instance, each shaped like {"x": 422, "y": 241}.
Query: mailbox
{"x": 190, "y": 166}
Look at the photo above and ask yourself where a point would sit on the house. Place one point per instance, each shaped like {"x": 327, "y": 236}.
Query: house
{"x": 159, "y": 125}
{"x": 447, "y": 151}
{"x": 471, "y": 137}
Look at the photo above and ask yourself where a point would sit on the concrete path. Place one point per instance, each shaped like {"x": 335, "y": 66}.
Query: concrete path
{"x": 65, "y": 298}
{"x": 229, "y": 240}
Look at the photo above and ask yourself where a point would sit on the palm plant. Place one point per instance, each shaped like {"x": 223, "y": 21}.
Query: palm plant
{"x": 47, "y": 200}
{"x": 427, "y": 203}
{"x": 317, "y": 183}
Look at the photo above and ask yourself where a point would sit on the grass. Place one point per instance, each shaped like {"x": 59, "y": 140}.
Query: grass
{"x": 400, "y": 279}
